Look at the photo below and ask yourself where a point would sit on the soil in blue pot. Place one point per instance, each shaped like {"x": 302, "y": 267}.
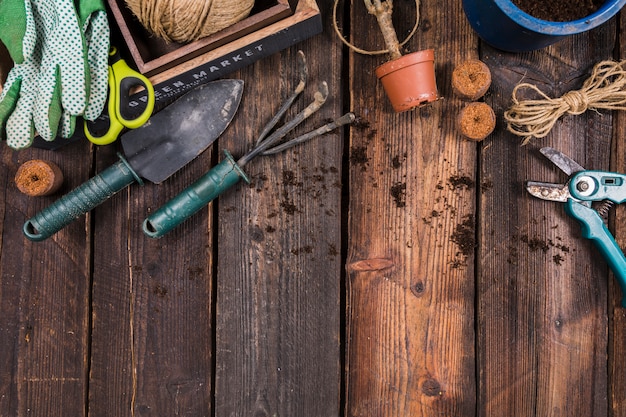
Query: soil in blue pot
{"x": 559, "y": 10}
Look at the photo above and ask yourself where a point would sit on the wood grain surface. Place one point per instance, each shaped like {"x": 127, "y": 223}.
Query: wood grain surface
{"x": 390, "y": 268}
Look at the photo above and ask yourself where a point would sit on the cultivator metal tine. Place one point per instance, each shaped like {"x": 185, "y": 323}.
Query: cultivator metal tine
{"x": 347, "y": 118}
{"x": 319, "y": 99}
{"x": 303, "y": 73}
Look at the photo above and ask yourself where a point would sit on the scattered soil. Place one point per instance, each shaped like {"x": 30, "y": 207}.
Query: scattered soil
{"x": 358, "y": 156}
{"x": 398, "y": 192}
{"x": 160, "y": 291}
{"x": 289, "y": 178}
{"x": 288, "y": 207}
{"x": 304, "y": 249}
{"x": 461, "y": 181}
{"x": 559, "y": 10}
{"x": 397, "y": 160}
{"x": 539, "y": 244}
{"x": 464, "y": 236}
{"x": 535, "y": 243}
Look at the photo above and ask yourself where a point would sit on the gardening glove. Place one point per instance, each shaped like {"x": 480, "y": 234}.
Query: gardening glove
{"x": 17, "y": 100}
{"x": 64, "y": 72}
{"x": 96, "y": 32}
{"x": 94, "y": 25}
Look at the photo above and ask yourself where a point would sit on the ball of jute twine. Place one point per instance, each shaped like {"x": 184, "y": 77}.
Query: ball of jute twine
{"x": 603, "y": 90}
{"x": 188, "y": 20}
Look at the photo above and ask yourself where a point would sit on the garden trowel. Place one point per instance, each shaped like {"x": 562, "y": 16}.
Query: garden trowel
{"x": 166, "y": 143}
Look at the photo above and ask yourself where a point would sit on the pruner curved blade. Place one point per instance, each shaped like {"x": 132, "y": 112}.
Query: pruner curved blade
{"x": 549, "y": 191}
{"x": 556, "y": 192}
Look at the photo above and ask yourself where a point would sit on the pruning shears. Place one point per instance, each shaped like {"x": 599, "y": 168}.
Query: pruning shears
{"x": 120, "y": 111}
{"x": 581, "y": 190}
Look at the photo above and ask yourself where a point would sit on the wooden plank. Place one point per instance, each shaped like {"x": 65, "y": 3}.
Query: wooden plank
{"x": 617, "y": 313}
{"x": 152, "y": 310}
{"x": 542, "y": 320}
{"x": 410, "y": 261}
{"x": 279, "y": 251}
{"x": 44, "y": 297}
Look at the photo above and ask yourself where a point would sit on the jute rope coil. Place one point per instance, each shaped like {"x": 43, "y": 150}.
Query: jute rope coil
{"x": 603, "y": 90}
{"x": 374, "y": 8}
{"x": 188, "y": 20}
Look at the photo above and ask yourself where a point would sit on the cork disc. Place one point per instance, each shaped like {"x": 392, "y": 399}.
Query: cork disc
{"x": 471, "y": 79}
{"x": 476, "y": 121}
{"x": 38, "y": 178}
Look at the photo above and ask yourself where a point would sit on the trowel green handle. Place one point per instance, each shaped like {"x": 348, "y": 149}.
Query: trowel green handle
{"x": 593, "y": 228}
{"x": 81, "y": 200}
{"x": 219, "y": 179}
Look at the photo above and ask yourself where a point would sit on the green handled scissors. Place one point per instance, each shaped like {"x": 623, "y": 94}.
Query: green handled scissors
{"x": 121, "y": 112}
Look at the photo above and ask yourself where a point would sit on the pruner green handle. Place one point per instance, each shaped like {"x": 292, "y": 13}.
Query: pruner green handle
{"x": 81, "y": 200}
{"x": 593, "y": 228}
{"x": 219, "y": 179}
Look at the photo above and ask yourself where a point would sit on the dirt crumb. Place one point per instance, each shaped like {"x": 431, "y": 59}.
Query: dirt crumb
{"x": 535, "y": 243}
{"x": 461, "y": 181}
{"x": 464, "y": 235}
{"x": 398, "y": 192}
{"x": 358, "y": 156}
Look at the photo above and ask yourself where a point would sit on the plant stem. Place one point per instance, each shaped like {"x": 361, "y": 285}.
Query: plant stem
{"x": 383, "y": 11}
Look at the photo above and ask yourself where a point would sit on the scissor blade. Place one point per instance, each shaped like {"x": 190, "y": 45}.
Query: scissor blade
{"x": 183, "y": 130}
{"x": 549, "y": 191}
{"x": 562, "y": 161}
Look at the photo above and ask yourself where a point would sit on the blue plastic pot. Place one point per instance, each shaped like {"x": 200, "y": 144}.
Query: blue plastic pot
{"x": 503, "y": 25}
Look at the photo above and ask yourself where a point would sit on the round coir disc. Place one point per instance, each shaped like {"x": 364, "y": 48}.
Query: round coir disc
{"x": 476, "y": 121}
{"x": 471, "y": 79}
{"x": 38, "y": 178}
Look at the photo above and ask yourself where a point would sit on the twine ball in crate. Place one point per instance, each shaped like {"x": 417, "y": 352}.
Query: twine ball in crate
{"x": 188, "y": 20}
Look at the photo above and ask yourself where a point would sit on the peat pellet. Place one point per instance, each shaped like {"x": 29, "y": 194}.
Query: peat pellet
{"x": 471, "y": 79}
{"x": 476, "y": 121}
{"x": 38, "y": 178}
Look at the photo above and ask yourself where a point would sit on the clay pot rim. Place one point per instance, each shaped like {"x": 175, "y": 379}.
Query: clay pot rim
{"x": 604, "y": 13}
{"x": 405, "y": 60}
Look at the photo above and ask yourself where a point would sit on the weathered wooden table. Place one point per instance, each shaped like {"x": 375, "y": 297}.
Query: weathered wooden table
{"x": 388, "y": 269}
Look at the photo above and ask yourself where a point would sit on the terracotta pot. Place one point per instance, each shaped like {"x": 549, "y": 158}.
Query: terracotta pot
{"x": 409, "y": 81}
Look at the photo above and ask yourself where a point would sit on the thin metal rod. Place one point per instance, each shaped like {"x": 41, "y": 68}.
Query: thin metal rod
{"x": 341, "y": 121}
{"x": 320, "y": 98}
{"x": 303, "y": 72}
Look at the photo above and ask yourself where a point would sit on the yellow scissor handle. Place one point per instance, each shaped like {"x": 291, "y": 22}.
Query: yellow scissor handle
{"x": 123, "y": 80}
{"x": 126, "y": 80}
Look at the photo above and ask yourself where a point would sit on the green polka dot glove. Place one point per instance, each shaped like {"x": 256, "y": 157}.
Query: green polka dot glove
{"x": 61, "y": 53}
{"x": 65, "y": 78}
{"x": 17, "y": 100}
{"x": 94, "y": 25}
{"x": 93, "y": 17}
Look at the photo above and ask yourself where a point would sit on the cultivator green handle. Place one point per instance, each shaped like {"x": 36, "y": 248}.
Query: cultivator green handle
{"x": 219, "y": 179}
{"x": 81, "y": 200}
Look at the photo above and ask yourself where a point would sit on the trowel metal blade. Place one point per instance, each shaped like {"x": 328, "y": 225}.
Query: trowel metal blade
{"x": 183, "y": 130}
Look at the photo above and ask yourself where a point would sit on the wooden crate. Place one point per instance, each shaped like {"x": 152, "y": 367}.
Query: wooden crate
{"x": 153, "y": 55}
{"x": 174, "y": 68}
